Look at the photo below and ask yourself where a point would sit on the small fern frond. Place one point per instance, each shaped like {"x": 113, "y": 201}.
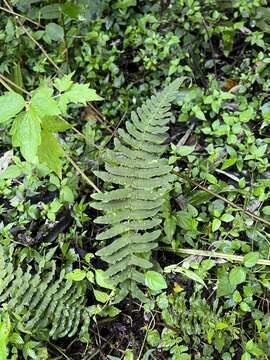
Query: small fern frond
{"x": 142, "y": 178}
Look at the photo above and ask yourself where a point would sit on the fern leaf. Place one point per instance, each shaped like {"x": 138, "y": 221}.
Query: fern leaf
{"x": 140, "y": 177}
{"x": 47, "y": 304}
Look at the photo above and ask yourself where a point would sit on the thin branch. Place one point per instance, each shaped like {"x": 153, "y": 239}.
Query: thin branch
{"x": 247, "y": 212}
{"x": 100, "y": 117}
{"x": 22, "y": 16}
{"x": 34, "y": 40}
{"x": 213, "y": 254}
{"x": 6, "y": 86}
{"x": 14, "y": 85}
{"x": 83, "y": 175}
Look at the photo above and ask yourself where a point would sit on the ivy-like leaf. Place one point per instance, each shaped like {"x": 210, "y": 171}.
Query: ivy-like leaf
{"x": 10, "y": 104}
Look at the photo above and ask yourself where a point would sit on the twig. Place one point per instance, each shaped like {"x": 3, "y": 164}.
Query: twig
{"x": 34, "y": 40}
{"x": 100, "y": 117}
{"x": 60, "y": 350}
{"x": 115, "y": 131}
{"x": 145, "y": 337}
{"x": 229, "y": 257}
{"x": 14, "y": 85}
{"x": 247, "y": 212}
{"x": 6, "y": 86}
{"x": 83, "y": 175}
{"x": 22, "y": 16}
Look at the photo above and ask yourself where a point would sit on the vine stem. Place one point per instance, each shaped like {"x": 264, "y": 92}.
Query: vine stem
{"x": 247, "y": 212}
{"x": 213, "y": 254}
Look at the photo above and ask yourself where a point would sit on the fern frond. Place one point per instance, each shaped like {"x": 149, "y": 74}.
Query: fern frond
{"x": 47, "y": 304}
{"x": 141, "y": 178}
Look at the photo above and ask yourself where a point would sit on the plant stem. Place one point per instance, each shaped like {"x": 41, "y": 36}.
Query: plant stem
{"x": 34, "y": 40}
{"x": 14, "y": 85}
{"x": 213, "y": 254}
{"x": 83, "y": 175}
{"x": 22, "y": 16}
{"x": 6, "y": 86}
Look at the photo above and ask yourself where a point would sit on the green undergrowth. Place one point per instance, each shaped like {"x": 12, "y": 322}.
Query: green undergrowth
{"x": 71, "y": 74}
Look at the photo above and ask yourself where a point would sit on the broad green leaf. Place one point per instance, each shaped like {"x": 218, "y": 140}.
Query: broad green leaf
{"x": 227, "y": 218}
{"x": 193, "y": 276}
{"x": 246, "y": 356}
{"x": 101, "y": 296}
{"x": 55, "y": 124}
{"x": 198, "y": 112}
{"x": 162, "y": 301}
{"x": 224, "y": 285}
{"x": 76, "y": 275}
{"x": 254, "y": 349}
{"x": 26, "y": 134}
{"x": 211, "y": 178}
{"x": 50, "y": 152}
{"x": 66, "y": 194}
{"x": 185, "y": 150}
{"x": 155, "y": 281}
{"x": 237, "y": 276}
{"x": 10, "y": 105}
{"x": 90, "y": 276}
{"x": 64, "y": 83}
{"x": 71, "y": 10}
{"x": 247, "y": 115}
{"x": 266, "y": 210}
{"x": 244, "y": 307}
{"x": 228, "y": 162}
{"x": 216, "y": 224}
{"x": 129, "y": 355}
{"x": 113, "y": 311}
{"x": 43, "y": 103}
{"x": 54, "y": 31}
{"x": 101, "y": 280}
{"x": 251, "y": 259}
{"x": 11, "y": 172}
{"x": 77, "y": 94}
{"x": 170, "y": 227}
{"x": 186, "y": 221}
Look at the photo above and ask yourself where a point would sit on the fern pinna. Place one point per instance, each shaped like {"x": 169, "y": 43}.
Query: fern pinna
{"x": 42, "y": 302}
{"x": 141, "y": 177}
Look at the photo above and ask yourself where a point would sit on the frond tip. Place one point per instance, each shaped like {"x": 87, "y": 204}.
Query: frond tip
{"x": 142, "y": 178}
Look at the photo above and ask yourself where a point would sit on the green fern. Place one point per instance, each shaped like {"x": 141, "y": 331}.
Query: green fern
{"x": 143, "y": 177}
{"x": 45, "y": 304}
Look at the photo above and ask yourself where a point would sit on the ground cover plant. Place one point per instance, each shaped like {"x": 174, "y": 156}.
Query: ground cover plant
{"x": 134, "y": 179}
